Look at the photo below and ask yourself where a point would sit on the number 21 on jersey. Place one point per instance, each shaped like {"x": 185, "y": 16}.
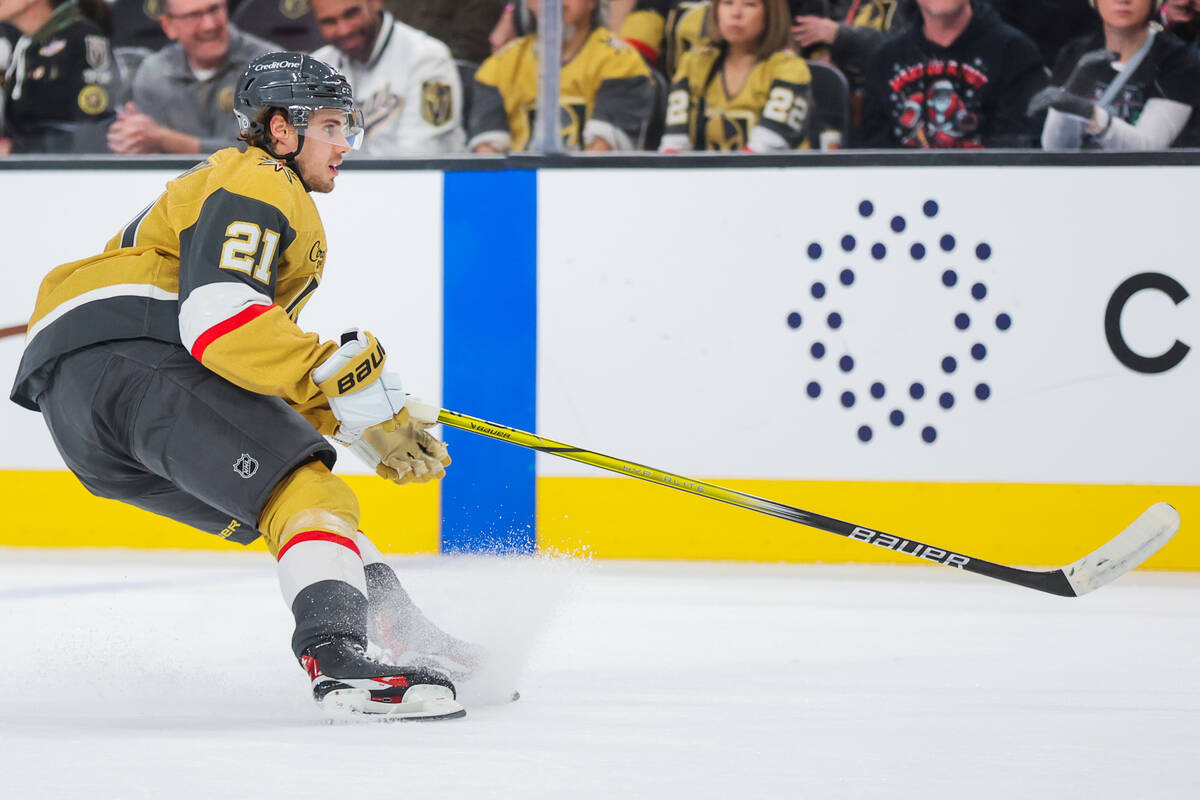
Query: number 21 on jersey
{"x": 242, "y": 245}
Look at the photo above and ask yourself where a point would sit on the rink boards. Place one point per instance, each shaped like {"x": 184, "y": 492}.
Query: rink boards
{"x": 991, "y": 358}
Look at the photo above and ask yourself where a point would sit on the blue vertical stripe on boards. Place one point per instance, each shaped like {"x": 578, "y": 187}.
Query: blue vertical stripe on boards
{"x": 489, "y": 361}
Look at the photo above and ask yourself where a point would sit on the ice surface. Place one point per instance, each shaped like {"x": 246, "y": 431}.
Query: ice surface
{"x": 168, "y": 675}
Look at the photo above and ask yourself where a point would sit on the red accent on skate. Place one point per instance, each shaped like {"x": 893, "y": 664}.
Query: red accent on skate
{"x": 311, "y": 667}
{"x": 393, "y": 680}
{"x": 318, "y": 536}
{"x": 225, "y": 326}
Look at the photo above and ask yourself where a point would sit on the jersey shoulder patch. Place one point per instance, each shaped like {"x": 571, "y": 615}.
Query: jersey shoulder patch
{"x": 786, "y": 66}
{"x": 696, "y": 64}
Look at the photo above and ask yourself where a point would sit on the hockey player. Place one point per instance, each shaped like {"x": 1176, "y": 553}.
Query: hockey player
{"x": 173, "y": 376}
{"x": 746, "y": 90}
{"x": 606, "y": 98}
{"x": 405, "y": 81}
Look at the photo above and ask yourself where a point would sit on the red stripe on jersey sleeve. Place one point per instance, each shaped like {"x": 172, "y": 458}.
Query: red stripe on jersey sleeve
{"x": 648, "y": 52}
{"x": 225, "y": 326}
{"x": 318, "y": 536}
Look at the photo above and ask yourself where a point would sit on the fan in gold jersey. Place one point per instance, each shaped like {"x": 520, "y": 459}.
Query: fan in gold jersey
{"x": 606, "y": 92}
{"x": 746, "y": 90}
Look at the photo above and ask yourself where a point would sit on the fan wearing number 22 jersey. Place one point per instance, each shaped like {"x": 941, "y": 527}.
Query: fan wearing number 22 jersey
{"x": 194, "y": 268}
{"x": 768, "y": 114}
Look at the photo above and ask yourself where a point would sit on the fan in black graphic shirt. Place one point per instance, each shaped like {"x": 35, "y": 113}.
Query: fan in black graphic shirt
{"x": 1131, "y": 87}
{"x": 957, "y": 78}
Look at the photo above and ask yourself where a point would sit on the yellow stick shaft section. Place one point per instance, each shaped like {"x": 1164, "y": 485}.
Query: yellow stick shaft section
{"x": 1136, "y": 543}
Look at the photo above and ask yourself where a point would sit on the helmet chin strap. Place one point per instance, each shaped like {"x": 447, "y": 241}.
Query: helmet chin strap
{"x": 290, "y": 159}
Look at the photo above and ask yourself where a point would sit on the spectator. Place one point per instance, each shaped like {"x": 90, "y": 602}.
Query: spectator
{"x": 404, "y": 81}
{"x": 135, "y": 25}
{"x": 1131, "y": 87}
{"x": 288, "y": 23}
{"x": 958, "y": 76}
{"x": 618, "y": 10}
{"x": 1049, "y": 23}
{"x": 60, "y": 83}
{"x": 183, "y": 94}
{"x": 663, "y": 30}
{"x": 463, "y": 25}
{"x": 607, "y": 97}
{"x": 746, "y": 90}
{"x": 862, "y": 27}
{"x": 1182, "y": 18}
{"x": 506, "y": 29}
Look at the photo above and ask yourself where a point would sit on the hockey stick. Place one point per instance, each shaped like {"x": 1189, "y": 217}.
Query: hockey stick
{"x": 1126, "y": 550}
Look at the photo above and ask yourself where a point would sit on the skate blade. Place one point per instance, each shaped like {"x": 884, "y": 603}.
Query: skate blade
{"x": 420, "y": 705}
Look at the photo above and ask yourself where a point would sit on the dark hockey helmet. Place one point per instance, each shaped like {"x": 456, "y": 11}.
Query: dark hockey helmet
{"x": 296, "y": 82}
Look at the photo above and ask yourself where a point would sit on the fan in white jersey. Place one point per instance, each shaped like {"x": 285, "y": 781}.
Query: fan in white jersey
{"x": 405, "y": 81}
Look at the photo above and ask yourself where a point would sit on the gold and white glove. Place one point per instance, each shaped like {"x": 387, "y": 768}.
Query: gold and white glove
{"x": 408, "y": 453}
{"x": 360, "y": 393}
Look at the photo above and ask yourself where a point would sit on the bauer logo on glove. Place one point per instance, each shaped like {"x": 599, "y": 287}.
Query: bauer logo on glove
{"x": 361, "y": 393}
{"x": 352, "y": 366}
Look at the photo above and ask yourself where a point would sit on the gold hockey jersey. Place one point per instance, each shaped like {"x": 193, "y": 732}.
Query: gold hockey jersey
{"x": 663, "y": 30}
{"x": 221, "y": 262}
{"x": 876, "y": 14}
{"x": 769, "y": 113}
{"x": 605, "y": 92}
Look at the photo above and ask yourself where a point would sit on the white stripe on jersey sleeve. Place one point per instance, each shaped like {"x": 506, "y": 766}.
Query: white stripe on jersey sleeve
{"x": 211, "y": 305}
{"x": 103, "y": 293}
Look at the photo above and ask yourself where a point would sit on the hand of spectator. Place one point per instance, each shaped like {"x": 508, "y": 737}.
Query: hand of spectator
{"x": 5, "y": 146}
{"x": 810, "y": 30}
{"x": 1083, "y": 66}
{"x": 505, "y": 30}
{"x": 134, "y": 132}
{"x": 1060, "y": 99}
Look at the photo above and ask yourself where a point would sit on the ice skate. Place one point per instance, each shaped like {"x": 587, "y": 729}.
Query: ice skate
{"x": 409, "y": 637}
{"x": 346, "y": 681}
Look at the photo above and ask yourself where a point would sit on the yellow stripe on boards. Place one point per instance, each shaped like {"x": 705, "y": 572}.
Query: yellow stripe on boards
{"x": 1016, "y": 524}
{"x": 52, "y": 509}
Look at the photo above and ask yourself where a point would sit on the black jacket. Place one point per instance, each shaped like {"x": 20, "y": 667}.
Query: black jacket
{"x": 971, "y": 94}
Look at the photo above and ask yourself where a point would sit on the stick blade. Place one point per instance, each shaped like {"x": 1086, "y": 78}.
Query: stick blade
{"x": 1129, "y": 548}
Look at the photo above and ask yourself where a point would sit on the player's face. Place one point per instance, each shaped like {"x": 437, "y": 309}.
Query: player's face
{"x": 575, "y": 12}
{"x": 201, "y": 26}
{"x": 1125, "y": 13}
{"x": 325, "y": 145}
{"x": 741, "y": 22}
{"x": 349, "y": 25}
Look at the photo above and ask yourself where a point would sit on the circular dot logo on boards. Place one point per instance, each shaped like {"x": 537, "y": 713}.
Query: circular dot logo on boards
{"x": 898, "y": 322}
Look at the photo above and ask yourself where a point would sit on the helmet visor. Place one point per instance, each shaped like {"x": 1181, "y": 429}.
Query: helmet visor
{"x": 345, "y": 129}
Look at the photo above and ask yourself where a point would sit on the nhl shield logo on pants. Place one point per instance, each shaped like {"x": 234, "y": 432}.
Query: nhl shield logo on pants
{"x": 246, "y": 466}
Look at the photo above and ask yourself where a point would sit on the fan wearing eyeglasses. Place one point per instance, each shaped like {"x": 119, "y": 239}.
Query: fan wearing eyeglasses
{"x": 182, "y": 96}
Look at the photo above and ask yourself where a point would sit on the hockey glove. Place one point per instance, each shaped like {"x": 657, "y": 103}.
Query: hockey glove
{"x": 1081, "y": 81}
{"x": 408, "y": 453}
{"x": 361, "y": 395}
{"x": 1061, "y": 100}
